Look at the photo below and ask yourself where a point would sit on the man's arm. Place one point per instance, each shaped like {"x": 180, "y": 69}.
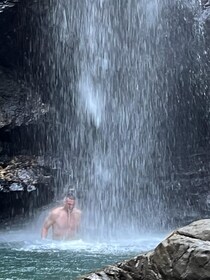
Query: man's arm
{"x": 50, "y": 220}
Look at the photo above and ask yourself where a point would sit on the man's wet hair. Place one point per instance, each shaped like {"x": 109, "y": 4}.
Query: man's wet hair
{"x": 70, "y": 195}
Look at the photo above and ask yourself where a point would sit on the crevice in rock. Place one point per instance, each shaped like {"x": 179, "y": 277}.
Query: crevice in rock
{"x": 177, "y": 259}
{"x": 182, "y": 233}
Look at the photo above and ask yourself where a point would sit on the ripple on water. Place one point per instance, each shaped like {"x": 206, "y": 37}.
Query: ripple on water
{"x": 23, "y": 256}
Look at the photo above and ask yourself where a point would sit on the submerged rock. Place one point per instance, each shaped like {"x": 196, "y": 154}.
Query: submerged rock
{"x": 184, "y": 255}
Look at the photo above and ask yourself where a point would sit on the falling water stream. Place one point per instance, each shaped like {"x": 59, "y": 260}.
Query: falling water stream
{"x": 117, "y": 110}
{"x": 109, "y": 97}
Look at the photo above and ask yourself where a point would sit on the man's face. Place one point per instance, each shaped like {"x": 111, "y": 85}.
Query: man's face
{"x": 69, "y": 203}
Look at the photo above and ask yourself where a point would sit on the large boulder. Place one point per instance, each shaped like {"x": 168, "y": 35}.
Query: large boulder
{"x": 184, "y": 254}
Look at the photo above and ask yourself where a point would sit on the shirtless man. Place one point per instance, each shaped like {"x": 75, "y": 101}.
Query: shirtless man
{"x": 64, "y": 220}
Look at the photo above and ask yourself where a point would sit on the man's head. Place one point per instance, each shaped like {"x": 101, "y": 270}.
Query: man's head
{"x": 69, "y": 201}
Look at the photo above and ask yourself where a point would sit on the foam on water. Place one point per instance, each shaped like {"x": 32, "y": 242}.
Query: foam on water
{"x": 21, "y": 240}
{"x": 24, "y": 255}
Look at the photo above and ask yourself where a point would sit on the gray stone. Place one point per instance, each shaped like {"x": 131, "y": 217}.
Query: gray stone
{"x": 183, "y": 255}
{"x": 25, "y": 185}
{"x": 16, "y": 187}
{"x": 21, "y": 171}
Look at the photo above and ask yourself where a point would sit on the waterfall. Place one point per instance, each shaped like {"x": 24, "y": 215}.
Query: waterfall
{"x": 114, "y": 79}
{"x": 112, "y": 149}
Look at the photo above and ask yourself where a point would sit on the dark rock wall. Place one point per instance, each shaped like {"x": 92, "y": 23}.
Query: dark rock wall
{"x": 188, "y": 126}
{"x": 10, "y": 52}
{"x": 188, "y": 105}
{"x": 25, "y": 180}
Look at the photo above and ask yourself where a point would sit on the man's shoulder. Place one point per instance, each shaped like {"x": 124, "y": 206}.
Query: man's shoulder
{"x": 56, "y": 210}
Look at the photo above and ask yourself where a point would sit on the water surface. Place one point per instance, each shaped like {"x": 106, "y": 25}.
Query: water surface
{"x": 23, "y": 255}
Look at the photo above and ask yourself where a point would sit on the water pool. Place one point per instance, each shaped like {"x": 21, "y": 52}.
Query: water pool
{"x": 24, "y": 256}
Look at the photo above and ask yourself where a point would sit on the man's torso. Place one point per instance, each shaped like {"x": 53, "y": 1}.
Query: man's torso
{"x": 66, "y": 224}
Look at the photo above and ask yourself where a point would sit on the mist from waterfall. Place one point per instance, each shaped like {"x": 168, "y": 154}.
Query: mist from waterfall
{"x": 112, "y": 61}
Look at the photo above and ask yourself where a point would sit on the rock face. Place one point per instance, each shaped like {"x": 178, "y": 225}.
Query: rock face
{"x": 19, "y": 104}
{"x": 20, "y": 170}
{"x": 25, "y": 184}
{"x": 25, "y": 179}
{"x": 6, "y": 4}
{"x": 184, "y": 255}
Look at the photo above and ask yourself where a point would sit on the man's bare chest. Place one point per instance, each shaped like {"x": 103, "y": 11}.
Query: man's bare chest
{"x": 66, "y": 221}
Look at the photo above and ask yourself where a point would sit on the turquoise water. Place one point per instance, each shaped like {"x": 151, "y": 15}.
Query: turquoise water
{"x": 23, "y": 255}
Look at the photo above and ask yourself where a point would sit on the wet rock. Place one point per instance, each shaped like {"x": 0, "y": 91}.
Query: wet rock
{"x": 7, "y": 4}
{"x": 185, "y": 254}
{"x": 20, "y": 171}
{"x": 16, "y": 187}
{"x": 189, "y": 183}
{"x": 205, "y": 3}
{"x": 205, "y": 18}
{"x": 24, "y": 186}
{"x": 19, "y": 104}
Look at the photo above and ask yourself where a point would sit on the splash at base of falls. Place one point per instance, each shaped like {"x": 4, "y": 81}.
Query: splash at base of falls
{"x": 24, "y": 256}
